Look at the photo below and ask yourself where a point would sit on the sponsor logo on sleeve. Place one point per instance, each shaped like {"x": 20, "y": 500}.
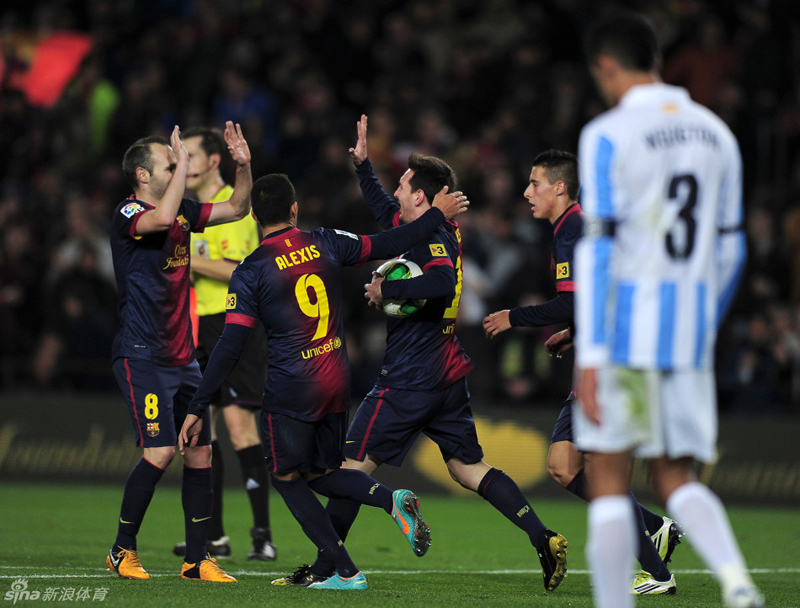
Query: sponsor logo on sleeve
{"x": 230, "y": 301}
{"x": 562, "y": 271}
{"x": 131, "y": 209}
{"x": 438, "y": 250}
{"x": 345, "y": 233}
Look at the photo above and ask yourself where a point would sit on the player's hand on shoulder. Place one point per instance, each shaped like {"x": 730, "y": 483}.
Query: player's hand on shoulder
{"x": 450, "y": 204}
{"x": 176, "y": 143}
{"x": 359, "y": 153}
{"x": 496, "y": 323}
{"x": 237, "y": 145}
{"x": 373, "y": 291}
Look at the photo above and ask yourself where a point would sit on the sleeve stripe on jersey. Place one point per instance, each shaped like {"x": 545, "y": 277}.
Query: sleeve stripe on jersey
{"x": 565, "y": 286}
{"x": 602, "y": 259}
{"x": 700, "y": 345}
{"x": 605, "y": 204}
{"x": 396, "y": 219}
{"x": 437, "y": 262}
{"x": 240, "y": 319}
{"x": 205, "y": 213}
{"x": 622, "y": 340}
{"x": 666, "y": 325}
{"x": 366, "y": 249}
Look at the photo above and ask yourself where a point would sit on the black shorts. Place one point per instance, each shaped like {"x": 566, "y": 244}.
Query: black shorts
{"x": 158, "y": 397}
{"x": 563, "y": 428}
{"x": 389, "y": 420}
{"x": 245, "y": 385}
{"x": 296, "y": 445}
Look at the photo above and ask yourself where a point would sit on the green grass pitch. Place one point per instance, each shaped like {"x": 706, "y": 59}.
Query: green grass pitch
{"x": 55, "y": 537}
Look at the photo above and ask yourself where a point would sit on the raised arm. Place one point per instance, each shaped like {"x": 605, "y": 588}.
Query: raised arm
{"x": 163, "y": 216}
{"x": 382, "y": 205}
{"x": 239, "y": 204}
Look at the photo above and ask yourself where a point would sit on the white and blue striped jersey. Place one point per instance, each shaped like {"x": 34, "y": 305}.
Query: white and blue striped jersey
{"x": 661, "y": 190}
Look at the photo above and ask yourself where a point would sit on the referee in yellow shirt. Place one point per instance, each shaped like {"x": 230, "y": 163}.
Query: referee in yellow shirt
{"x": 215, "y": 254}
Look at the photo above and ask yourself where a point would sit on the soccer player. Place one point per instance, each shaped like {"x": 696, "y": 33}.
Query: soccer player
{"x": 292, "y": 283}
{"x": 661, "y": 254}
{"x": 153, "y": 353}
{"x": 553, "y": 194}
{"x": 215, "y": 253}
{"x": 422, "y": 386}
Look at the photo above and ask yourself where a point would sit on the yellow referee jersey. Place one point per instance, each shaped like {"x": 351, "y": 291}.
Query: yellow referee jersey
{"x": 233, "y": 241}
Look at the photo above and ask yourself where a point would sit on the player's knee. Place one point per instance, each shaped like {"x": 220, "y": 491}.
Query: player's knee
{"x": 160, "y": 457}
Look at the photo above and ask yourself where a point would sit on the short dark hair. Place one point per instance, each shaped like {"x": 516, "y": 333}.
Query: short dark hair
{"x": 212, "y": 141}
{"x": 559, "y": 165}
{"x": 272, "y": 197}
{"x": 140, "y": 154}
{"x": 431, "y": 174}
{"x": 627, "y": 37}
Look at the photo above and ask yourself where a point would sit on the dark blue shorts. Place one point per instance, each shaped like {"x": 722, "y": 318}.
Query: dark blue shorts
{"x": 296, "y": 445}
{"x": 158, "y": 397}
{"x": 563, "y": 428}
{"x": 389, "y": 421}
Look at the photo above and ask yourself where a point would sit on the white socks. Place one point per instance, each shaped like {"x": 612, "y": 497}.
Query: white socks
{"x": 610, "y": 550}
{"x": 701, "y": 515}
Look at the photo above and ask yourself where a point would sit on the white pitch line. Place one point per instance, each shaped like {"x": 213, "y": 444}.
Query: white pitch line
{"x": 26, "y": 573}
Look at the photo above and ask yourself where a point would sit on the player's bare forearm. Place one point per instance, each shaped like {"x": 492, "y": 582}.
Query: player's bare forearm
{"x": 241, "y": 191}
{"x": 166, "y": 208}
{"x": 213, "y": 269}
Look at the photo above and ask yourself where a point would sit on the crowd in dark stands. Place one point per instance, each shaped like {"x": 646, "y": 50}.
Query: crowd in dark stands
{"x": 485, "y": 84}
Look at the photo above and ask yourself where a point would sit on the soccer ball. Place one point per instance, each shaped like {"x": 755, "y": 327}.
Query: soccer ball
{"x": 395, "y": 270}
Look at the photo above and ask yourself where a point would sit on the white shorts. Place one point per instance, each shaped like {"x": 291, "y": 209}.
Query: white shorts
{"x": 652, "y": 412}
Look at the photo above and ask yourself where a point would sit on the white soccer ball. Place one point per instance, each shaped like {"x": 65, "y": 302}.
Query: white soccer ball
{"x": 397, "y": 270}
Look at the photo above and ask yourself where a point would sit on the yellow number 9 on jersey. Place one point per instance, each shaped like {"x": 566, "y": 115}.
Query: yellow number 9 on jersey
{"x": 319, "y": 310}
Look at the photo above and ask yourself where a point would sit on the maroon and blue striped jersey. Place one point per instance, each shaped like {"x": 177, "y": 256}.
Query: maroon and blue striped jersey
{"x": 422, "y": 351}
{"x": 152, "y": 273}
{"x": 293, "y": 284}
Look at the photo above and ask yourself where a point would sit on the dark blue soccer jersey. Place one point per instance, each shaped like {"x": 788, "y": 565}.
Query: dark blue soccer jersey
{"x": 293, "y": 284}
{"x": 152, "y": 274}
{"x": 422, "y": 351}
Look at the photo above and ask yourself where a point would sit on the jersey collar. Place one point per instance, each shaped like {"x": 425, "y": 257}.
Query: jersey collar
{"x": 284, "y": 233}
{"x": 573, "y": 208}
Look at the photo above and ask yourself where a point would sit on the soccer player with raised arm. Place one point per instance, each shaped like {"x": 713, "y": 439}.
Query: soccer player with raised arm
{"x": 662, "y": 250}
{"x": 153, "y": 353}
{"x": 422, "y": 387}
{"x": 553, "y": 194}
{"x": 292, "y": 284}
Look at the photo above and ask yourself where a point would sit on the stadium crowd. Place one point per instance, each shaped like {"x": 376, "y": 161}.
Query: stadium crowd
{"x": 486, "y": 85}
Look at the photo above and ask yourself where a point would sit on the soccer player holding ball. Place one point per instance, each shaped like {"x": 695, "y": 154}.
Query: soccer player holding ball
{"x": 422, "y": 385}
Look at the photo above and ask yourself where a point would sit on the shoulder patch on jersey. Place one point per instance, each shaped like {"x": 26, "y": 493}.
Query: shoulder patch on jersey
{"x": 131, "y": 209}
{"x": 438, "y": 250}
{"x": 230, "y": 301}
{"x": 345, "y": 233}
{"x": 182, "y": 223}
{"x": 562, "y": 271}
